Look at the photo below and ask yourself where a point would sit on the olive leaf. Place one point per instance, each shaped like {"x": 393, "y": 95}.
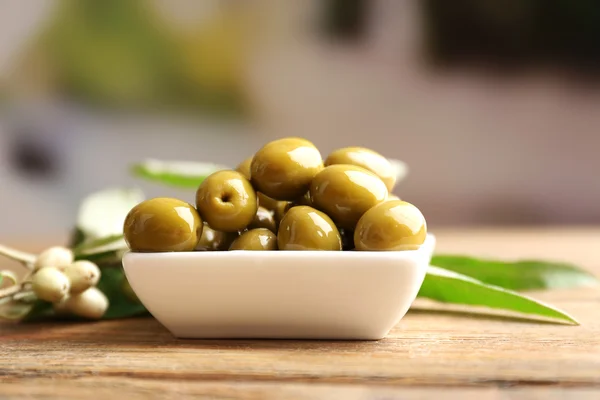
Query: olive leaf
{"x": 186, "y": 174}
{"x": 400, "y": 169}
{"x": 113, "y": 284}
{"x": 102, "y": 214}
{"x": 94, "y": 247}
{"x": 454, "y": 288}
{"x": 10, "y": 277}
{"x": 519, "y": 275}
{"x": 14, "y": 310}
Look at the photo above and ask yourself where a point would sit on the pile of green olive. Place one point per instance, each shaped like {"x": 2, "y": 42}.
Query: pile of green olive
{"x": 285, "y": 197}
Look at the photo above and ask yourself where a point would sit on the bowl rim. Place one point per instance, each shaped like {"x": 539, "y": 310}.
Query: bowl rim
{"x": 427, "y": 246}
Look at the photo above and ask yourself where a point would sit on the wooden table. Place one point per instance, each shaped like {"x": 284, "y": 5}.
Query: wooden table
{"x": 442, "y": 354}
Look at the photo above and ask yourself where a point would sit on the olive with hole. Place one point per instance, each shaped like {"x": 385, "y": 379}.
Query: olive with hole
{"x": 226, "y": 201}
{"x": 264, "y": 219}
{"x": 283, "y": 169}
{"x": 391, "y": 226}
{"x": 161, "y": 225}
{"x": 255, "y": 239}
{"x": 244, "y": 167}
{"x": 346, "y": 192}
{"x": 306, "y": 228}
{"x": 212, "y": 240}
{"x": 367, "y": 159}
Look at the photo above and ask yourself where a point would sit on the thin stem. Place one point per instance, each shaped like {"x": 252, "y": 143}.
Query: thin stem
{"x": 9, "y": 291}
{"x": 26, "y": 296}
{"x": 27, "y": 259}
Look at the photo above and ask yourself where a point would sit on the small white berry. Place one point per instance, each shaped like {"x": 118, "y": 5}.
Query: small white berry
{"x": 50, "y": 284}
{"x": 91, "y": 304}
{"x": 56, "y": 256}
{"x": 82, "y": 275}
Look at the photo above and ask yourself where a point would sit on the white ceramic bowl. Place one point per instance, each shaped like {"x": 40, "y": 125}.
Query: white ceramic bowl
{"x": 279, "y": 294}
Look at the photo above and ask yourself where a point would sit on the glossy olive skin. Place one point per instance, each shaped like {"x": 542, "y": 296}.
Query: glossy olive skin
{"x": 212, "y": 240}
{"x": 267, "y": 202}
{"x": 391, "y": 226}
{"x": 244, "y": 167}
{"x": 392, "y": 197}
{"x": 284, "y": 168}
{"x": 162, "y": 224}
{"x": 346, "y": 192}
{"x": 305, "y": 228}
{"x": 282, "y": 208}
{"x": 226, "y": 201}
{"x": 367, "y": 159}
{"x": 264, "y": 219}
{"x": 255, "y": 239}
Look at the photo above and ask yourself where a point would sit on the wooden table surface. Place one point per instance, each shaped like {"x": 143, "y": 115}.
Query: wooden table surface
{"x": 442, "y": 354}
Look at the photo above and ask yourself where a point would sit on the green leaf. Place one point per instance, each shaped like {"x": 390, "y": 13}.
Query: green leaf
{"x": 112, "y": 284}
{"x": 400, "y": 168}
{"x": 112, "y": 243}
{"x": 41, "y": 310}
{"x": 520, "y": 275}
{"x": 102, "y": 214}
{"x": 14, "y": 310}
{"x": 450, "y": 287}
{"x": 185, "y": 174}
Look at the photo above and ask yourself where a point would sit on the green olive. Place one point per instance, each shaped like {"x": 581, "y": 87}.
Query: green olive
{"x": 367, "y": 159}
{"x": 346, "y": 192}
{"x": 212, "y": 240}
{"x": 255, "y": 239}
{"x": 282, "y": 208}
{"x": 284, "y": 168}
{"x": 226, "y": 201}
{"x": 389, "y": 226}
{"x": 264, "y": 219}
{"x": 305, "y": 228}
{"x": 162, "y": 224}
{"x": 267, "y": 202}
{"x": 244, "y": 167}
{"x": 392, "y": 197}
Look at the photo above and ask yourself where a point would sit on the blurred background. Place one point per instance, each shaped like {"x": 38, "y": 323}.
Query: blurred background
{"x": 494, "y": 106}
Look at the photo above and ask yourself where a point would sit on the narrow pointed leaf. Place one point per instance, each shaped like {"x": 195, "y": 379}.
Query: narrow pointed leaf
{"x": 103, "y": 213}
{"x": 450, "y": 287}
{"x": 519, "y": 275}
{"x": 99, "y": 246}
{"x": 185, "y": 174}
{"x": 400, "y": 169}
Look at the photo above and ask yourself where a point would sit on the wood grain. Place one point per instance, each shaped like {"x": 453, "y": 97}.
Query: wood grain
{"x": 447, "y": 353}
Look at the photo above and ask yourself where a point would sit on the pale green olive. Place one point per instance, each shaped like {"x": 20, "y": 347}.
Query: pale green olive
{"x": 346, "y": 192}
{"x": 255, "y": 239}
{"x": 365, "y": 158}
{"x": 226, "y": 201}
{"x": 161, "y": 225}
{"x": 305, "y": 228}
{"x": 283, "y": 169}
{"x": 391, "y": 226}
